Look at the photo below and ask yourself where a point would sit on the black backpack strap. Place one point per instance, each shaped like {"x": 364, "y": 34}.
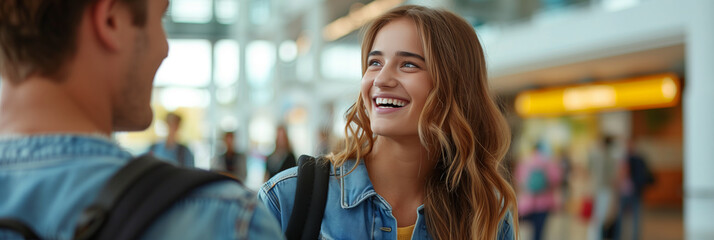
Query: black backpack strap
{"x": 136, "y": 196}
{"x": 95, "y": 216}
{"x": 18, "y": 227}
{"x": 310, "y": 199}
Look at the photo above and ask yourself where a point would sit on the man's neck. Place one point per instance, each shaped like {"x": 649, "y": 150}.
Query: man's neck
{"x": 43, "y": 106}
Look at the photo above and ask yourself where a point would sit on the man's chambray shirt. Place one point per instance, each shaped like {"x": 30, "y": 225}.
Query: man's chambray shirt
{"x": 47, "y": 180}
{"x": 353, "y": 210}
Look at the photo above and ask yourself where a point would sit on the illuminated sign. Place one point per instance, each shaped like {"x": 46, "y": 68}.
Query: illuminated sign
{"x": 655, "y": 91}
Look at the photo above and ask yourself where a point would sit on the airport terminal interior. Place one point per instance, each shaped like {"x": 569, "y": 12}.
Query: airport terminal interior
{"x": 576, "y": 79}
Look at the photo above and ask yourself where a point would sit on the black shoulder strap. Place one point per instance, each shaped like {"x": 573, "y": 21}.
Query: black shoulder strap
{"x": 136, "y": 196}
{"x": 310, "y": 199}
{"x": 18, "y": 227}
{"x": 94, "y": 216}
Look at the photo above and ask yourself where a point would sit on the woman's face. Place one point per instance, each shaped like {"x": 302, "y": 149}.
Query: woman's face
{"x": 396, "y": 83}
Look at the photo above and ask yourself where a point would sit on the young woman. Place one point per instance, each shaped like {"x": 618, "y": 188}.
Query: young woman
{"x": 282, "y": 157}
{"x": 423, "y": 141}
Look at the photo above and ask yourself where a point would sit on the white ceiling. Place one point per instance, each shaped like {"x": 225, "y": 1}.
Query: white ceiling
{"x": 633, "y": 64}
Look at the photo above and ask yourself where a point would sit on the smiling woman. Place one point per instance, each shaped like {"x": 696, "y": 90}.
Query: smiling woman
{"x": 396, "y": 82}
{"x": 424, "y": 140}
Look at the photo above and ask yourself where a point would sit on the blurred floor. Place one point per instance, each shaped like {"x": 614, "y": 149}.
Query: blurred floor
{"x": 664, "y": 224}
{"x": 657, "y": 224}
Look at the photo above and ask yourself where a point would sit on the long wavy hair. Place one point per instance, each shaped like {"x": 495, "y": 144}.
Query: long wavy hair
{"x": 461, "y": 127}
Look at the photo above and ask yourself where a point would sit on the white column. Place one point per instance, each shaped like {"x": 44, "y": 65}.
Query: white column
{"x": 212, "y": 110}
{"x": 699, "y": 122}
{"x": 212, "y": 107}
{"x": 243, "y": 108}
{"x": 316, "y": 23}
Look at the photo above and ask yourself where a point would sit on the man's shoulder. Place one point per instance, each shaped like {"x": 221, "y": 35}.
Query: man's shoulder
{"x": 224, "y": 209}
{"x": 219, "y": 210}
{"x": 224, "y": 190}
{"x": 214, "y": 199}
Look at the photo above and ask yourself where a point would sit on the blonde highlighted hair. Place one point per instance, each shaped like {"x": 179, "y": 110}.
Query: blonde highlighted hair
{"x": 461, "y": 127}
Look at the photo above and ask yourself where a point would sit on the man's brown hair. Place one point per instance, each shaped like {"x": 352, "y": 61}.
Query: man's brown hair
{"x": 36, "y": 36}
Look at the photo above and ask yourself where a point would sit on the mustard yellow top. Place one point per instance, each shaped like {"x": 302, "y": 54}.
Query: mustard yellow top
{"x": 405, "y": 233}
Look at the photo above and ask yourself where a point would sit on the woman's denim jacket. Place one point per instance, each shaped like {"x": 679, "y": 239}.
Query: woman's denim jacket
{"x": 353, "y": 210}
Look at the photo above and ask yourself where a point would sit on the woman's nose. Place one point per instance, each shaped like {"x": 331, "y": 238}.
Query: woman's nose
{"x": 385, "y": 78}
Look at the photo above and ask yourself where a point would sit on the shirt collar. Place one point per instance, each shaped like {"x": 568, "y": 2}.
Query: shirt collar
{"x": 355, "y": 187}
{"x": 45, "y": 147}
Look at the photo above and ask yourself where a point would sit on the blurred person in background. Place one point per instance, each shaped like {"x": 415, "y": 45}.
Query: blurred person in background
{"x": 231, "y": 161}
{"x": 603, "y": 164}
{"x": 282, "y": 157}
{"x": 636, "y": 176}
{"x": 424, "y": 140}
{"x": 170, "y": 149}
{"x": 565, "y": 193}
{"x": 73, "y": 72}
{"x": 566, "y": 168}
{"x": 538, "y": 177}
{"x": 323, "y": 145}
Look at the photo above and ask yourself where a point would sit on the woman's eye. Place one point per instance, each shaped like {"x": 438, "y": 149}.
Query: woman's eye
{"x": 375, "y": 63}
{"x": 410, "y": 65}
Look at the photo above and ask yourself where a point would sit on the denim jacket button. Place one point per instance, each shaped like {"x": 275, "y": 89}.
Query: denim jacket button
{"x": 386, "y": 229}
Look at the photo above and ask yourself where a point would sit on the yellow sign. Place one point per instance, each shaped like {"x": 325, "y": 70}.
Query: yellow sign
{"x": 655, "y": 91}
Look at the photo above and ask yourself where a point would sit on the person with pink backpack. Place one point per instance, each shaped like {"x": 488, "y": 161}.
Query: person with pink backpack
{"x": 537, "y": 176}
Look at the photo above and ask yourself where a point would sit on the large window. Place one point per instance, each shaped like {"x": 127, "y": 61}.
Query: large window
{"x": 342, "y": 62}
{"x": 191, "y": 11}
{"x": 188, "y": 64}
{"x": 227, "y": 67}
{"x": 227, "y": 11}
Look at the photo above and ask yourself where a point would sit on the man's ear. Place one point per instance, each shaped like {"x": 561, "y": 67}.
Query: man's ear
{"x": 108, "y": 21}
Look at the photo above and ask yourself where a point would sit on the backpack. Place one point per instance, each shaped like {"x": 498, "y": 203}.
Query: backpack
{"x": 640, "y": 173}
{"x": 310, "y": 199}
{"x": 537, "y": 181}
{"x": 131, "y": 200}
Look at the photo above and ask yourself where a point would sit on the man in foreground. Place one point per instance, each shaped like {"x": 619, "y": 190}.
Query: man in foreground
{"x": 73, "y": 72}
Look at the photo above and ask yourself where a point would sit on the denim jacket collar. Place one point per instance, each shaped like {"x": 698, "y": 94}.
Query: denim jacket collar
{"x": 356, "y": 187}
{"x": 37, "y": 148}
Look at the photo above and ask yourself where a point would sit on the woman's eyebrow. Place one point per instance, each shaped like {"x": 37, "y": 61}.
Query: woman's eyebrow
{"x": 409, "y": 54}
{"x": 399, "y": 53}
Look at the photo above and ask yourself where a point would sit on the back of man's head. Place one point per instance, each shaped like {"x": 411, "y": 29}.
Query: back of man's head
{"x": 94, "y": 59}
{"x": 37, "y": 36}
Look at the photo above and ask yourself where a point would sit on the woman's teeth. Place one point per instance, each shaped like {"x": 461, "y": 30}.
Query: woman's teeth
{"x": 390, "y": 103}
